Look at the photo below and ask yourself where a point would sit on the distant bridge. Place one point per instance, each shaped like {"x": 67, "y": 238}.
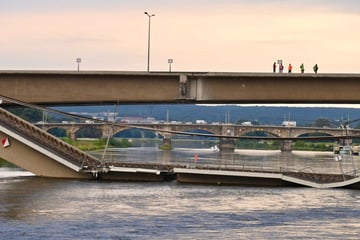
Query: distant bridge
{"x": 285, "y": 133}
{"x": 99, "y": 87}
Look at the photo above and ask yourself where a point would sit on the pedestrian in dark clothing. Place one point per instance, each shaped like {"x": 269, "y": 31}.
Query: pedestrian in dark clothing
{"x": 302, "y": 68}
{"x": 281, "y": 68}
{"x": 316, "y": 68}
{"x": 274, "y": 67}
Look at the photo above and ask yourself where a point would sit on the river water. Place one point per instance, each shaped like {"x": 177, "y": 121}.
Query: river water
{"x": 37, "y": 208}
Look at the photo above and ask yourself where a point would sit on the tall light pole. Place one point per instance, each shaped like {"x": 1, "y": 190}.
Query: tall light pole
{"x": 170, "y": 61}
{"x": 78, "y": 61}
{"x": 148, "y": 57}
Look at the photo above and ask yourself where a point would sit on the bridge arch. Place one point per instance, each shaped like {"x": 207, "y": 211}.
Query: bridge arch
{"x": 58, "y": 131}
{"x": 314, "y": 133}
{"x": 197, "y": 130}
{"x": 49, "y": 128}
{"x": 247, "y": 132}
{"x": 131, "y": 132}
{"x": 88, "y": 131}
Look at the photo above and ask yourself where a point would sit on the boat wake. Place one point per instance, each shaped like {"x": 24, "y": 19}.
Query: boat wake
{"x": 14, "y": 172}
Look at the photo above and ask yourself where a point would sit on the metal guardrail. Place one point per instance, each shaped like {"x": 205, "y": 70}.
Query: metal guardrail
{"x": 306, "y": 173}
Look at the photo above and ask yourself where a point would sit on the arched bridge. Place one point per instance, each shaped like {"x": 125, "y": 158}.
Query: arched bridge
{"x": 227, "y": 130}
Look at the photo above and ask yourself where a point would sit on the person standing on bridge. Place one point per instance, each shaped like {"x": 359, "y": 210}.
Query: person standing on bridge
{"x": 274, "y": 67}
{"x": 302, "y": 68}
{"x": 290, "y": 68}
{"x": 281, "y": 68}
{"x": 316, "y": 68}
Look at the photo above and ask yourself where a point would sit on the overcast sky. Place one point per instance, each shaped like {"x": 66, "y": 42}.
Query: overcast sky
{"x": 202, "y": 35}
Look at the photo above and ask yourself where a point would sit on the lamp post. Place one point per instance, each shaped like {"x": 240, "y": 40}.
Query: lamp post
{"x": 170, "y": 61}
{"x": 78, "y": 60}
{"x": 148, "y": 57}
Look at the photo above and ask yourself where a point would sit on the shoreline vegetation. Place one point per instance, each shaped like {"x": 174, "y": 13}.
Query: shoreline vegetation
{"x": 97, "y": 144}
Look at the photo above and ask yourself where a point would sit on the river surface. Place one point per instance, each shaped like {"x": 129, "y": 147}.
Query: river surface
{"x": 36, "y": 208}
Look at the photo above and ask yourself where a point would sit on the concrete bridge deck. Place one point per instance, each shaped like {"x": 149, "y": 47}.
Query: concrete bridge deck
{"x": 99, "y": 87}
{"x": 265, "y": 178}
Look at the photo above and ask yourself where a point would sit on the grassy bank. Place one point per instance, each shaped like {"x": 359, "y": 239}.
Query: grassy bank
{"x": 96, "y": 144}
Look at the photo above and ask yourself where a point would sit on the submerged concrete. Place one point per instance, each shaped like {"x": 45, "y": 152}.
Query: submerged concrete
{"x": 265, "y": 179}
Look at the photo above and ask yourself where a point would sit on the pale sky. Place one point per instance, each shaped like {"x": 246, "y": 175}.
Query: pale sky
{"x": 202, "y": 35}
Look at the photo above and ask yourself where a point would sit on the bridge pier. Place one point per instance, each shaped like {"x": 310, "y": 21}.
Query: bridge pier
{"x": 166, "y": 142}
{"x": 345, "y": 142}
{"x": 286, "y": 146}
{"x": 72, "y": 135}
{"x": 227, "y": 145}
{"x": 107, "y": 131}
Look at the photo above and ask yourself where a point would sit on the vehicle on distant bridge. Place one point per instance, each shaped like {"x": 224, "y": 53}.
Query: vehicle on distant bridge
{"x": 288, "y": 123}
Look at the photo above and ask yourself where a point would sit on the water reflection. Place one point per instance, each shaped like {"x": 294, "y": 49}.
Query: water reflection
{"x": 39, "y": 208}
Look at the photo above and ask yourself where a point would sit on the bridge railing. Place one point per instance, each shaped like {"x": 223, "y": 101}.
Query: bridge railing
{"x": 46, "y": 140}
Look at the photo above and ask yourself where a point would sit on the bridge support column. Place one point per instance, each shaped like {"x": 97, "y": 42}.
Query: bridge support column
{"x": 72, "y": 135}
{"x": 226, "y": 145}
{"x": 345, "y": 142}
{"x": 72, "y": 132}
{"x": 286, "y": 146}
{"x": 166, "y": 142}
{"x": 107, "y": 131}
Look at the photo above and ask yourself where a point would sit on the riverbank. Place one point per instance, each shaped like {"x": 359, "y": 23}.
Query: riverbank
{"x": 97, "y": 144}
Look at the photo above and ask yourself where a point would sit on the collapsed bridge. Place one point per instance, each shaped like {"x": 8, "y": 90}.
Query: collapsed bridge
{"x": 37, "y": 151}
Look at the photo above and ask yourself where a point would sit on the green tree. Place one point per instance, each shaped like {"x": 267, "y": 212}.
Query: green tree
{"x": 322, "y": 122}
{"x": 89, "y": 132}
{"x": 58, "y": 132}
{"x": 28, "y": 114}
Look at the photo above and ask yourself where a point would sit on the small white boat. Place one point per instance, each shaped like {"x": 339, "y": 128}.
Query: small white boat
{"x": 343, "y": 149}
{"x": 215, "y": 148}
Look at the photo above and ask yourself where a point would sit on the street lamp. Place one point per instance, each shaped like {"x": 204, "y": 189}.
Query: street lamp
{"x": 78, "y": 60}
{"x": 170, "y": 61}
{"x": 148, "y": 58}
